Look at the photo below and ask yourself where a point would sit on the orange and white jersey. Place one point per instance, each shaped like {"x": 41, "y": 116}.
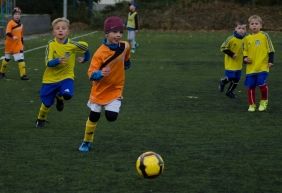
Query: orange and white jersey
{"x": 110, "y": 87}
{"x": 14, "y": 45}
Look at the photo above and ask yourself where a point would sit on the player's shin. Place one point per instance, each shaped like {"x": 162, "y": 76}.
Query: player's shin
{"x": 22, "y": 69}
{"x": 89, "y": 131}
{"x": 42, "y": 115}
{"x": 264, "y": 92}
{"x": 4, "y": 66}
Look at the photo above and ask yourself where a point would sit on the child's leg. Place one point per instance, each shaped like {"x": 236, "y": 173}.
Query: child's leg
{"x": 233, "y": 84}
{"x": 223, "y": 81}
{"x": 19, "y": 57}
{"x": 264, "y": 92}
{"x": 252, "y": 96}
{"x": 5, "y": 62}
{"x": 65, "y": 93}
{"x": 42, "y": 116}
{"x": 90, "y": 128}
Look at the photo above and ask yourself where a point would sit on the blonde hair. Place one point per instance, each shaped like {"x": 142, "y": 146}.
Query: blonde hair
{"x": 255, "y": 17}
{"x": 60, "y": 19}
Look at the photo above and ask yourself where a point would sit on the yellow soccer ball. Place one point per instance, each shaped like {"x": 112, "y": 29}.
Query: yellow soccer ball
{"x": 150, "y": 165}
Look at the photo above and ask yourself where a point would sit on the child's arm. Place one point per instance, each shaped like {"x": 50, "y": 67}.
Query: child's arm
{"x": 94, "y": 72}
{"x": 270, "y": 59}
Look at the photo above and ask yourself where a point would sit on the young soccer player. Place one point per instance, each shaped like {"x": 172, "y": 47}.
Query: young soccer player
{"x": 14, "y": 45}
{"x": 132, "y": 26}
{"x": 258, "y": 56}
{"x": 107, "y": 73}
{"x": 232, "y": 47}
{"x": 58, "y": 78}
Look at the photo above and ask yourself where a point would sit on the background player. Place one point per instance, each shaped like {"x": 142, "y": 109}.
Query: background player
{"x": 233, "y": 59}
{"x": 259, "y": 57}
{"x": 132, "y": 26}
{"x": 14, "y": 45}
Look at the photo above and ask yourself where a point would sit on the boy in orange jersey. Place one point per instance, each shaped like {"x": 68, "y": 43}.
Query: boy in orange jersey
{"x": 107, "y": 73}
{"x": 14, "y": 45}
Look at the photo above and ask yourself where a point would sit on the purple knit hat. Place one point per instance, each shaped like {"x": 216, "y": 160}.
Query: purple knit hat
{"x": 113, "y": 23}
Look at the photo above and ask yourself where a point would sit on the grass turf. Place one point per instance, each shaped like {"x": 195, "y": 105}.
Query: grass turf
{"x": 209, "y": 143}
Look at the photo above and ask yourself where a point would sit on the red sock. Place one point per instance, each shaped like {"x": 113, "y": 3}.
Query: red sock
{"x": 252, "y": 96}
{"x": 264, "y": 92}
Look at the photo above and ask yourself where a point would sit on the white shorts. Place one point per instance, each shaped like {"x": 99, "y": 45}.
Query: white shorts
{"x": 17, "y": 57}
{"x": 112, "y": 106}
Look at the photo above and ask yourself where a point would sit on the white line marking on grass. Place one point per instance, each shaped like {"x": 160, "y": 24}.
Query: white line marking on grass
{"x": 40, "y": 47}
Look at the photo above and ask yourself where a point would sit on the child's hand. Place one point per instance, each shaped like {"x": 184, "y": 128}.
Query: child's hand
{"x": 63, "y": 60}
{"x": 234, "y": 56}
{"x": 80, "y": 59}
{"x": 106, "y": 71}
{"x": 270, "y": 65}
{"x": 15, "y": 37}
{"x": 247, "y": 60}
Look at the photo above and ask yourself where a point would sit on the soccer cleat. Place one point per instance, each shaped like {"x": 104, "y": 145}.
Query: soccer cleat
{"x": 2, "y": 75}
{"x": 24, "y": 77}
{"x": 230, "y": 95}
{"x": 263, "y": 105}
{"x": 40, "y": 123}
{"x": 221, "y": 86}
{"x": 252, "y": 108}
{"x": 59, "y": 104}
{"x": 85, "y": 147}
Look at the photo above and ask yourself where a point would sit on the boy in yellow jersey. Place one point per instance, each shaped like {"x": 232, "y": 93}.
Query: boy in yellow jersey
{"x": 58, "y": 78}
{"x": 232, "y": 47}
{"x": 132, "y": 26}
{"x": 107, "y": 73}
{"x": 14, "y": 45}
{"x": 259, "y": 56}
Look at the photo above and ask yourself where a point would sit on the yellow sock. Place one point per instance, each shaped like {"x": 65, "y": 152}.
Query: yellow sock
{"x": 22, "y": 68}
{"x": 89, "y": 131}
{"x": 42, "y": 115}
{"x": 4, "y": 66}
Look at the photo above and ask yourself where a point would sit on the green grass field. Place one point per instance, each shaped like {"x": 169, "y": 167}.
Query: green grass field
{"x": 210, "y": 143}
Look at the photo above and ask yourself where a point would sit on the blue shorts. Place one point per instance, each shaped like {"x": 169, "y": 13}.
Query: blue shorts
{"x": 256, "y": 79}
{"x": 233, "y": 74}
{"x": 49, "y": 92}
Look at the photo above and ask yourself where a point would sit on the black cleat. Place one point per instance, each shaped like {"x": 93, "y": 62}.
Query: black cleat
{"x": 59, "y": 104}
{"x": 2, "y": 75}
{"x": 40, "y": 123}
{"x": 24, "y": 77}
{"x": 230, "y": 95}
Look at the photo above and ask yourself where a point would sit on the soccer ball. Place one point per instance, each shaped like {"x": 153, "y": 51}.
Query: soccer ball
{"x": 149, "y": 165}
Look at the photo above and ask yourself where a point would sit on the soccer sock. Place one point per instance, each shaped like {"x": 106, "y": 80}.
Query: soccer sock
{"x": 4, "y": 66}
{"x": 224, "y": 80}
{"x": 264, "y": 92}
{"x": 232, "y": 86}
{"x": 42, "y": 115}
{"x": 252, "y": 96}
{"x": 22, "y": 68}
{"x": 89, "y": 131}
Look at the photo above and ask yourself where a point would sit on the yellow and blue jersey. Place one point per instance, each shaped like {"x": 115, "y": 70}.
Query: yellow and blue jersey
{"x": 56, "y": 50}
{"x": 257, "y": 48}
{"x": 233, "y": 45}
